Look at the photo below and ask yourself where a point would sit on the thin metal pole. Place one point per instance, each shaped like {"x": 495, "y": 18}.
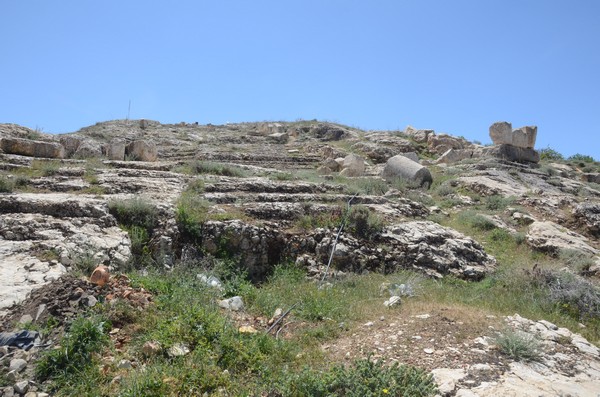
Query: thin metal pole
{"x": 337, "y": 237}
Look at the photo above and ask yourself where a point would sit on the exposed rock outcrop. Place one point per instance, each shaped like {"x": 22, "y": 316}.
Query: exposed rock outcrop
{"x": 513, "y": 153}
{"x": 443, "y": 142}
{"x": 419, "y": 136}
{"x": 589, "y": 215}
{"x": 439, "y": 250}
{"x": 549, "y": 237}
{"x": 41, "y": 236}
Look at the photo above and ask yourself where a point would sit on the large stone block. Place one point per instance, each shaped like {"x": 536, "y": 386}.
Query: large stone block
{"x": 115, "y": 150}
{"x": 501, "y": 133}
{"x": 525, "y": 137}
{"x": 142, "y": 150}
{"x": 88, "y": 149}
{"x": 71, "y": 144}
{"x": 27, "y": 147}
{"x": 403, "y": 167}
{"x": 353, "y": 165}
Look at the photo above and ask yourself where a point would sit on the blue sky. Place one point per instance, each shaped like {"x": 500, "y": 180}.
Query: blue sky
{"x": 453, "y": 66}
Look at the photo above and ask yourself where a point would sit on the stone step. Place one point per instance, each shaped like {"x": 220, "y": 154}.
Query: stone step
{"x": 277, "y": 198}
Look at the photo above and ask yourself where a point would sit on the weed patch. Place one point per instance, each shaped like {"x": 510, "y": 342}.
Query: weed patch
{"x": 518, "y": 345}
{"x": 85, "y": 337}
{"x": 476, "y": 221}
{"x": 6, "y": 185}
{"x": 134, "y": 212}
{"x": 365, "y": 378}
{"x": 364, "y": 223}
{"x": 209, "y": 167}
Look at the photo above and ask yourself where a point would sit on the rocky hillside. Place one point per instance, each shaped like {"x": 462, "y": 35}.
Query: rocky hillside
{"x": 333, "y": 201}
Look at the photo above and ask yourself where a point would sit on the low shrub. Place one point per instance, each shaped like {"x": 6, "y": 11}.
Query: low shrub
{"x": 365, "y": 378}
{"x": 209, "y": 167}
{"x": 364, "y": 223}
{"x": 584, "y": 158}
{"x": 87, "y": 335}
{"x": 331, "y": 218}
{"x": 191, "y": 213}
{"x": 576, "y": 260}
{"x": 85, "y": 262}
{"x": 572, "y": 294}
{"x": 45, "y": 168}
{"x": 550, "y": 154}
{"x": 403, "y": 184}
{"x": 518, "y": 345}
{"x": 444, "y": 190}
{"x": 6, "y": 185}
{"x": 368, "y": 186}
{"x": 497, "y": 202}
{"x": 476, "y": 221}
{"x": 134, "y": 212}
{"x": 575, "y": 295}
{"x": 281, "y": 176}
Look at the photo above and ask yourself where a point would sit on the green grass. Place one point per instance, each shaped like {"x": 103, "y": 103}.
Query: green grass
{"x": 364, "y": 378}
{"x": 215, "y": 168}
{"x": 368, "y": 186}
{"x": 134, "y": 212}
{"x": 513, "y": 287}
{"x": 86, "y": 336}
{"x": 139, "y": 218}
{"x": 191, "y": 213}
{"x": 476, "y": 221}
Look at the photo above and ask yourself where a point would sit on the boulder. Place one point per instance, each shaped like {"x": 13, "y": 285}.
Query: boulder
{"x": 278, "y": 137}
{"x": 27, "y": 147}
{"x": 332, "y": 164}
{"x": 374, "y": 151}
{"x": 142, "y": 150}
{"x": 588, "y": 214}
{"x": 419, "y": 136}
{"x": 70, "y": 143}
{"x": 353, "y": 165}
{"x": 402, "y": 167}
{"x": 525, "y": 137}
{"x": 552, "y": 238}
{"x": 115, "y": 150}
{"x": 501, "y": 133}
{"x": 88, "y": 149}
{"x": 443, "y": 142}
{"x": 512, "y": 153}
{"x": 590, "y": 177}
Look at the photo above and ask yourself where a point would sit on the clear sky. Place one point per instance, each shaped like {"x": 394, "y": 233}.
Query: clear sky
{"x": 452, "y": 66}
